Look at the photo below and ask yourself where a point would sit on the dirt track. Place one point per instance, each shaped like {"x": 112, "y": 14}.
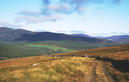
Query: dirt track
{"x": 99, "y": 73}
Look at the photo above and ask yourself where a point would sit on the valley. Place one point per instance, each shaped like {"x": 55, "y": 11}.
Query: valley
{"x": 61, "y": 57}
{"x": 64, "y": 40}
{"x": 108, "y": 64}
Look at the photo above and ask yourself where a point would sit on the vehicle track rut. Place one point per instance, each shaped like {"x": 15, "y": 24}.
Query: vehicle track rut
{"x": 99, "y": 73}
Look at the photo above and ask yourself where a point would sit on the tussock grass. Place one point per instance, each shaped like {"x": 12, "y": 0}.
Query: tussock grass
{"x": 48, "y": 69}
{"x": 116, "y": 59}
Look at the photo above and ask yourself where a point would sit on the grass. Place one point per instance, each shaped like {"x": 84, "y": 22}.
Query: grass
{"x": 47, "y": 69}
{"x": 49, "y": 47}
{"x": 18, "y": 50}
{"x": 66, "y": 69}
{"x": 76, "y": 45}
{"x": 116, "y": 59}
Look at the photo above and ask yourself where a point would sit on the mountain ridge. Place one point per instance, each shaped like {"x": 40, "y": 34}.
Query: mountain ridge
{"x": 20, "y": 35}
{"x": 119, "y": 38}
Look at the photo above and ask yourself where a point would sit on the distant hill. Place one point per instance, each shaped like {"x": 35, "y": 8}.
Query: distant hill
{"x": 10, "y": 35}
{"x": 20, "y": 35}
{"x": 83, "y": 35}
{"x": 15, "y": 50}
{"x": 119, "y": 38}
{"x": 49, "y": 36}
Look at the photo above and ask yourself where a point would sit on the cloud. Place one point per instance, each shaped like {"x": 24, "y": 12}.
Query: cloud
{"x": 46, "y": 1}
{"x": 60, "y": 6}
{"x": 109, "y": 34}
{"x": 117, "y": 1}
{"x": 29, "y": 13}
{"x": 70, "y": 6}
{"x": 53, "y": 10}
{"x": 36, "y": 19}
{"x": 77, "y": 32}
{"x": 56, "y": 8}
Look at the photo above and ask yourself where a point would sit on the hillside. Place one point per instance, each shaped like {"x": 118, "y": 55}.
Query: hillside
{"x": 10, "y": 35}
{"x": 115, "y": 60}
{"x": 16, "y": 50}
{"x": 108, "y": 64}
{"x": 41, "y": 36}
{"x": 19, "y": 35}
{"x": 45, "y": 69}
{"x": 119, "y": 39}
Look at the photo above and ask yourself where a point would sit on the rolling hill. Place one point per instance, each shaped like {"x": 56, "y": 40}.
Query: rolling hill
{"x": 10, "y": 35}
{"x": 48, "y": 36}
{"x": 122, "y": 39}
{"x": 16, "y": 50}
{"x": 20, "y": 35}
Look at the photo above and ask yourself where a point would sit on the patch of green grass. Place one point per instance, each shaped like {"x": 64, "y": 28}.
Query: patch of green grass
{"x": 18, "y": 50}
{"x": 49, "y": 47}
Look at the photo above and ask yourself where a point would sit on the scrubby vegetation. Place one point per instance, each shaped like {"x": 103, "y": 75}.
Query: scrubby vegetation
{"x": 45, "y": 69}
{"x": 67, "y": 67}
{"x": 116, "y": 60}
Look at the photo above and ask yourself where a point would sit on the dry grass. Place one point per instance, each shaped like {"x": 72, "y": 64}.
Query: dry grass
{"x": 65, "y": 69}
{"x": 46, "y": 69}
{"x": 116, "y": 59}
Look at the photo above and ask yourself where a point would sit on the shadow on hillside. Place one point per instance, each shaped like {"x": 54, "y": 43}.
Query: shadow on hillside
{"x": 121, "y": 65}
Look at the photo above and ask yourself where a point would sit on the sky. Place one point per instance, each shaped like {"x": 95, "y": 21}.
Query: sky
{"x": 93, "y": 17}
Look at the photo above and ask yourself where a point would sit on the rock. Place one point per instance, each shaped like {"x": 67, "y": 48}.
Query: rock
{"x": 34, "y": 65}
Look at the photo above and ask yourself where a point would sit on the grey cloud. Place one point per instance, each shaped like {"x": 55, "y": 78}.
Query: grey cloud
{"x": 70, "y": 6}
{"x": 51, "y": 12}
{"x": 46, "y": 1}
{"x": 65, "y": 8}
